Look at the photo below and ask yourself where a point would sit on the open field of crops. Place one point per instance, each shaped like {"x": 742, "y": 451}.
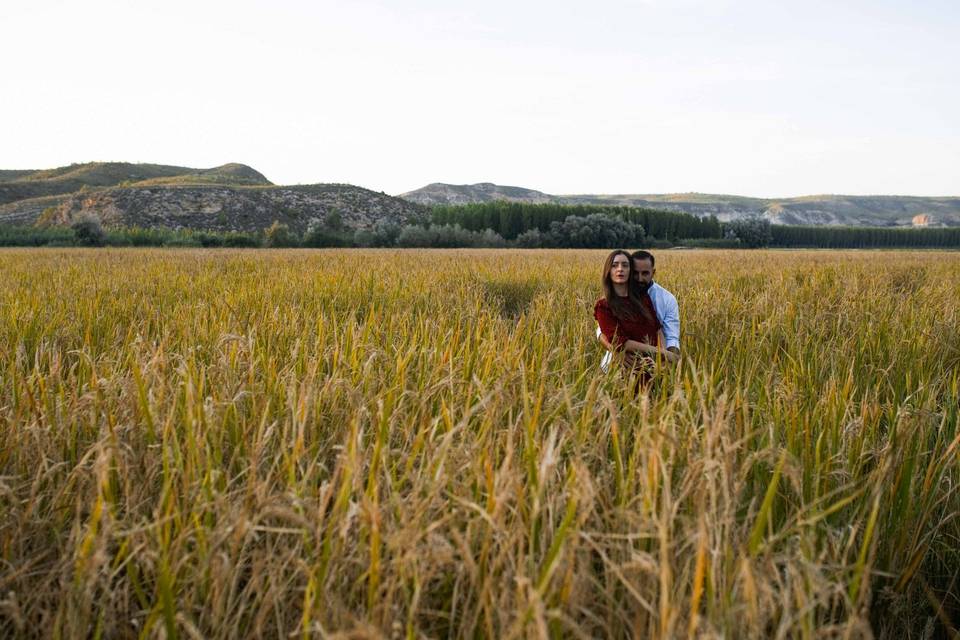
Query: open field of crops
{"x": 234, "y": 444}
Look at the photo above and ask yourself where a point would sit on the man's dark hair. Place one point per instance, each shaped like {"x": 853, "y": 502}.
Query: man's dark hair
{"x": 644, "y": 255}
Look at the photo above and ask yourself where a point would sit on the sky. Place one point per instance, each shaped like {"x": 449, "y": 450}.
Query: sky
{"x": 757, "y": 98}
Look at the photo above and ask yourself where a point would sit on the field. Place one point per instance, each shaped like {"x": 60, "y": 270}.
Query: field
{"x": 382, "y": 443}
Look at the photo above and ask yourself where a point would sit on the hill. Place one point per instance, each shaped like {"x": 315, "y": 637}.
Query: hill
{"x": 805, "y": 210}
{"x": 18, "y": 185}
{"x": 232, "y": 197}
{"x": 440, "y": 193}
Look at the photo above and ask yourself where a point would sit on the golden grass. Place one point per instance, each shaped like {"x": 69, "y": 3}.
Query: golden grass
{"x": 384, "y": 443}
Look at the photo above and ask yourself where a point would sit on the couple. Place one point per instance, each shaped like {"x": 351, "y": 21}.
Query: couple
{"x": 633, "y": 311}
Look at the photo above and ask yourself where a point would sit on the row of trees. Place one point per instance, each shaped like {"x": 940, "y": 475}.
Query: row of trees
{"x": 863, "y": 237}
{"x": 88, "y": 232}
{"x": 596, "y": 230}
{"x": 555, "y": 225}
{"x": 512, "y": 219}
{"x": 594, "y": 227}
{"x": 592, "y": 231}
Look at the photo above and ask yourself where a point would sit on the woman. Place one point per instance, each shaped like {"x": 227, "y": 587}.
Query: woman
{"x": 628, "y": 322}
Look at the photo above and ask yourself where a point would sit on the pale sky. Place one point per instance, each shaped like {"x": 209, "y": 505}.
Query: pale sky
{"x": 757, "y": 98}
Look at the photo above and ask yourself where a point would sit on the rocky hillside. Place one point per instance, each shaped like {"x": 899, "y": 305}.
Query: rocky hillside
{"x": 217, "y": 207}
{"x": 233, "y": 197}
{"x": 816, "y": 210}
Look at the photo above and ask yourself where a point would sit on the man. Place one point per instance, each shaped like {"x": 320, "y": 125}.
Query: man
{"x": 664, "y": 302}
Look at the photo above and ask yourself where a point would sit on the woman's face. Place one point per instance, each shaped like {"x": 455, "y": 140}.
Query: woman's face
{"x": 620, "y": 269}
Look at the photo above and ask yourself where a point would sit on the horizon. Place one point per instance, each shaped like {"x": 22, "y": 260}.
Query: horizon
{"x": 694, "y": 193}
{"x": 649, "y": 98}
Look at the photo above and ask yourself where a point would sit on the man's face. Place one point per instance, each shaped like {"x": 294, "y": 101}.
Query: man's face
{"x": 643, "y": 271}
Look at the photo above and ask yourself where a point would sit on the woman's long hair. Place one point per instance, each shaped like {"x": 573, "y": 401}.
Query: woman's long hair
{"x": 623, "y": 308}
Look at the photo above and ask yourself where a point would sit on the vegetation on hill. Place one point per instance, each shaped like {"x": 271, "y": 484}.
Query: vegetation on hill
{"x": 7, "y": 175}
{"x": 440, "y": 193}
{"x": 19, "y": 185}
{"x": 218, "y": 207}
{"x": 228, "y": 174}
{"x": 104, "y": 174}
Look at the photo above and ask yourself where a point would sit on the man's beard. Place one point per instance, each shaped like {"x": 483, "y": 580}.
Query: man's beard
{"x": 644, "y": 287}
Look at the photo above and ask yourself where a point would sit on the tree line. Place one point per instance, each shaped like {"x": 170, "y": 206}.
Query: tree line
{"x": 511, "y": 219}
{"x": 505, "y": 224}
{"x": 863, "y": 237}
{"x": 558, "y": 225}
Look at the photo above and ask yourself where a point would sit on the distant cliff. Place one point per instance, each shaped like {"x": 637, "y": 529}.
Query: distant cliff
{"x": 806, "y": 210}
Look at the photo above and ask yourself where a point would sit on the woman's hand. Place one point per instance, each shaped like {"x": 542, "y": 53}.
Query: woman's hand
{"x": 634, "y": 352}
{"x": 670, "y": 356}
{"x": 643, "y": 348}
{"x": 661, "y": 354}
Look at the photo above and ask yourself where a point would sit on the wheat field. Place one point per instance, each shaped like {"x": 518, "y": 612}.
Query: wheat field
{"x": 382, "y": 443}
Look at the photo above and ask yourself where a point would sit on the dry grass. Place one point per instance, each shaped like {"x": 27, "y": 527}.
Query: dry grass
{"x": 381, "y": 443}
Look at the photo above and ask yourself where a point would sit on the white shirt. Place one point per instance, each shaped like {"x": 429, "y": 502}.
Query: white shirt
{"x": 668, "y": 313}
